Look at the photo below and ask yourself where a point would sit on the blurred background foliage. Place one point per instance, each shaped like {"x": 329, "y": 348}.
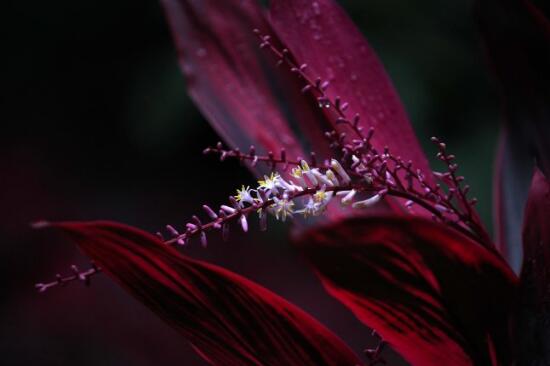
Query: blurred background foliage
{"x": 96, "y": 124}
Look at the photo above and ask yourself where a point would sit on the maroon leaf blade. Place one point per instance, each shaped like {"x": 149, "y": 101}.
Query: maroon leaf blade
{"x": 227, "y": 318}
{"x": 516, "y": 37}
{"x": 534, "y": 318}
{"x": 321, "y": 35}
{"x": 236, "y": 85}
{"x": 434, "y": 295}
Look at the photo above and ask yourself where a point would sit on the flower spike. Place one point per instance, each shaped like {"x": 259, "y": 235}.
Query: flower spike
{"x": 366, "y": 172}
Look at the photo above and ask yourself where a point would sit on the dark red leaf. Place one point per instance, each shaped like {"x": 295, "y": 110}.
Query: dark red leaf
{"x": 229, "y": 319}
{"x": 534, "y": 319}
{"x": 516, "y": 37}
{"x": 437, "y": 297}
{"x": 320, "y": 34}
{"x": 236, "y": 84}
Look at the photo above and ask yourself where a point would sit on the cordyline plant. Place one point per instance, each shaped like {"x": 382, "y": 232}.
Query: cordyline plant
{"x": 409, "y": 256}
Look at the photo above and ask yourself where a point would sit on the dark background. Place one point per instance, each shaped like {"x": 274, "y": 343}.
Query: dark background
{"x": 96, "y": 124}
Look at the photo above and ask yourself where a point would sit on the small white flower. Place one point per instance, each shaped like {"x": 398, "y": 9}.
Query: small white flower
{"x": 282, "y": 208}
{"x": 322, "y": 197}
{"x": 269, "y": 184}
{"x": 311, "y": 208}
{"x": 244, "y": 195}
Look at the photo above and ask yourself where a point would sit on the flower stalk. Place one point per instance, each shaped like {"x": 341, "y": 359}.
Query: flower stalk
{"x": 84, "y": 276}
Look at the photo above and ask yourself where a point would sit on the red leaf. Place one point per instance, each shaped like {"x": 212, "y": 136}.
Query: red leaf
{"x": 320, "y": 34}
{"x": 236, "y": 84}
{"x": 534, "y": 318}
{"x": 229, "y": 319}
{"x": 435, "y": 296}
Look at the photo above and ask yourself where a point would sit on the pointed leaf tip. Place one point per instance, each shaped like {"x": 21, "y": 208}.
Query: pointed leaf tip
{"x": 229, "y": 319}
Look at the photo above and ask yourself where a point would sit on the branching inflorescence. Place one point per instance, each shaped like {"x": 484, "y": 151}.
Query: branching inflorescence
{"x": 358, "y": 177}
{"x": 76, "y": 275}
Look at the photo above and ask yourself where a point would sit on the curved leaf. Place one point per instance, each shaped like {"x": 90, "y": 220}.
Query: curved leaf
{"x": 236, "y": 85}
{"x": 230, "y": 320}
{"x": 434, "y": 295}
